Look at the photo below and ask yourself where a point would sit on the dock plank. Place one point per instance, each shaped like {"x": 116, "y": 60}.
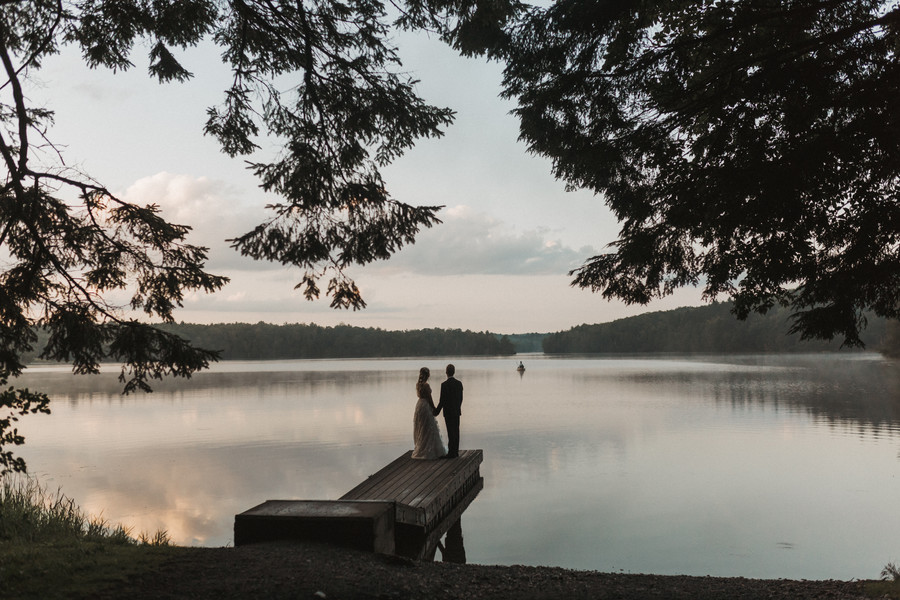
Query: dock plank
{"x": 384, "y": 481}
{"x": 393, "y": 479}
{"x": 421, "y": 488}
{"x": 406, "y": 477}
{"x": 422, "y": 478}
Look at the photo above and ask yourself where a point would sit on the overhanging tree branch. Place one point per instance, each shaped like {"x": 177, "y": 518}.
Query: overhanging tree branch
{"x": 762, "y": 133}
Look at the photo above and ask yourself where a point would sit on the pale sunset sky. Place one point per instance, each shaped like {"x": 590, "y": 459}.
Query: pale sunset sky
{"x": 498, "y": 263}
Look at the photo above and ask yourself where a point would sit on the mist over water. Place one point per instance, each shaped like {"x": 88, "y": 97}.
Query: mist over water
{"x": 758, "y": 466}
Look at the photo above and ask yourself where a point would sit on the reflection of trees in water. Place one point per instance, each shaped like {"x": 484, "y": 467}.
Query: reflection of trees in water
{"x": 839, "y": 389}
{"x": 855, "y": 393}
{"x": 67, "y": 387}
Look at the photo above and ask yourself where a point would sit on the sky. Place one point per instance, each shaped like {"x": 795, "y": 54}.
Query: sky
{"x": 499, "y": 262}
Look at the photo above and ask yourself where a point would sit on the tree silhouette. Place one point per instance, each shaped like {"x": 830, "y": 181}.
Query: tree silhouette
{"x": 749, "y": 147}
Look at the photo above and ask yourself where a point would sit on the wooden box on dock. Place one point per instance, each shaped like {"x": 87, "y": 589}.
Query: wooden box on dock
{"x": 360, "y": 524}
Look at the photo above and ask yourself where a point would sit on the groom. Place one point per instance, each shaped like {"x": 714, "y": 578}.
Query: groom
{"x": 451, "y": 403}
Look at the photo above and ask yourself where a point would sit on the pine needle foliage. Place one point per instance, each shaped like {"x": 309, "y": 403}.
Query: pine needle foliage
{"x": 747, "y": 147}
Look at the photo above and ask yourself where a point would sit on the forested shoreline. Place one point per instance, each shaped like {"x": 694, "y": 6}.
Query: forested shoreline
{"x": 265, "y": 341}
{"x": 708, "y": 329}
{"x": 705, "y": 329}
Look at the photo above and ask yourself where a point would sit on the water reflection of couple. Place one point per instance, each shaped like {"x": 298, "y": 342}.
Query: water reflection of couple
{"x": 426, "y": 433}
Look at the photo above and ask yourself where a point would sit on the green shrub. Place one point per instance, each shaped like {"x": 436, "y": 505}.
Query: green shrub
{"x": 49, "y": 549}
{"x": 28, "y": 513}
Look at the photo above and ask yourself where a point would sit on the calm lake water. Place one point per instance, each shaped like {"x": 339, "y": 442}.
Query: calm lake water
{"x": 758, "y": 466}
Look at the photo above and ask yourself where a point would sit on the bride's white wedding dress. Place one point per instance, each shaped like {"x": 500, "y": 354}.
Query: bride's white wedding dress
{"x": 426, "y": 434}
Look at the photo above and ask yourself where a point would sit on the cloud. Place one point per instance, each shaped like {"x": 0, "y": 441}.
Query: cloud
{"x": 468, "y": 242}
{"x": 259, "y": 294}
{"x": 475, "y": 243}
{"x": 212, "y": 208}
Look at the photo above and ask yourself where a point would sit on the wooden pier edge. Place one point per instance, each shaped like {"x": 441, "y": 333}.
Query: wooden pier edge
{"x": 404, "y": 508}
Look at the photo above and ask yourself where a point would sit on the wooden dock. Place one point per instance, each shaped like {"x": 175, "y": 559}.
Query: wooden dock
{"x": 404, "y": 508}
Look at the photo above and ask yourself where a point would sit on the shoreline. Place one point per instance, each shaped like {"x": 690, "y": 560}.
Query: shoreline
{"x": 308, "y": 570}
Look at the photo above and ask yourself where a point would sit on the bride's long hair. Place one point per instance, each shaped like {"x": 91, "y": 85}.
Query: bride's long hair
{"x": 424, "y": 374}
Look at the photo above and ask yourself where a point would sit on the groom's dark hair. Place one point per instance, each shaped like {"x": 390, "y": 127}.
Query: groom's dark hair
{"x": 450, "y": 370}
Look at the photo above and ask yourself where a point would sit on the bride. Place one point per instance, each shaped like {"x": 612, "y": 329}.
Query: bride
{"x": 426, "y": 434}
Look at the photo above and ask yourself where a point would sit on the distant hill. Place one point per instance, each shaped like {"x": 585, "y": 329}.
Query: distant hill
{"x": 264, "y": 341}
{"x": 711, "y": 328}
{"x": 527, "y": 342}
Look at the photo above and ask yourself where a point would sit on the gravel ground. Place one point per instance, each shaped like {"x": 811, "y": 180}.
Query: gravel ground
{"x": 313, "y": 571}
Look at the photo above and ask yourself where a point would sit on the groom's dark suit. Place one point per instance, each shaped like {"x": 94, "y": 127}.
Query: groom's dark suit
{"x": 451, "y": 404}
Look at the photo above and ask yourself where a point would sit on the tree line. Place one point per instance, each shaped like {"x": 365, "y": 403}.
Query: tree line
{"x": 265, "y": 341}
{"x": 708, "y": 329}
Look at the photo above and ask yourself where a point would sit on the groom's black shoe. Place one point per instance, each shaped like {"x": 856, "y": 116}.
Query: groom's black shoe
{"x": 451, "y": 456}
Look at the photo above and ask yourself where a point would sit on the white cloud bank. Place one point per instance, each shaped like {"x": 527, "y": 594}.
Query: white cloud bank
{"x": 468, "y": 242}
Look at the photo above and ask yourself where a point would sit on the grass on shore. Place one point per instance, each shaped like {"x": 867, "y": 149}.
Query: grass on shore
{"x": 50, "y": 549}
{"x": 889, "y": 586}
